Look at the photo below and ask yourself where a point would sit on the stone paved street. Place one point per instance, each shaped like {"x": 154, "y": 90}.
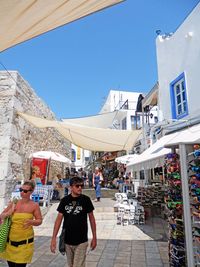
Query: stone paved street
{"x": 118, "y": 246}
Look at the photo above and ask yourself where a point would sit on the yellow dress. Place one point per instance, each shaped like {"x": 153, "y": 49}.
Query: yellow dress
{"x": 22, "y": 253}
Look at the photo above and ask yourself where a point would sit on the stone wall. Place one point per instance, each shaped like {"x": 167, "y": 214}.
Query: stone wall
{"x": 18, "y": 139}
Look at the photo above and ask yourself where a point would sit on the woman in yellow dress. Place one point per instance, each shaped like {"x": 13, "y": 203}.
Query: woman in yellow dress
{"x": 25, "y": 214}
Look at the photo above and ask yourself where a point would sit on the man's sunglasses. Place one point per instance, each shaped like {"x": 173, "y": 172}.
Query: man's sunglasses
{"x": 79, "y": 185}
{"x": 25, "y": 190}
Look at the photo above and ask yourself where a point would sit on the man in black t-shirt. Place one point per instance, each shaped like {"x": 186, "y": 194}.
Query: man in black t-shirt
{"x": 75, "y": 208}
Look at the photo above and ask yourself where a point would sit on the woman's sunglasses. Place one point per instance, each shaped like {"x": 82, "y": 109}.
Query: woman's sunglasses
{"x": 25, "y": 190}
{"x": 79, "y": 185}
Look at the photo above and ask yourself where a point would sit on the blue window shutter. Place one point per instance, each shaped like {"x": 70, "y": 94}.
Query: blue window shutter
{"x": 184, "y": 104}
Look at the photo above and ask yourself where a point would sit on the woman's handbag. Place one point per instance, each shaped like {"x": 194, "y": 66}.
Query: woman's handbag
{"x": 4, "y": 232}
{"x": 61, "y": 245}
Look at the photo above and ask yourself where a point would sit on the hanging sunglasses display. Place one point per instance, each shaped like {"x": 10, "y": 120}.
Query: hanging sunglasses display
{"x": 194, "y": 186}
{"x": 174, "y": 204}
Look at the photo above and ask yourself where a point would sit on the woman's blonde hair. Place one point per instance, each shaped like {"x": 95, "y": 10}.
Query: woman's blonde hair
{"x": 35, "y": 169}
{"x": 30, "y": 183}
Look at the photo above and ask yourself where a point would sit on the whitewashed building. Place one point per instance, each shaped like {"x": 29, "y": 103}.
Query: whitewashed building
{"x": 80, "y": 157}
{"x": 123, "y": 101}
{"x": 178, "y": 60}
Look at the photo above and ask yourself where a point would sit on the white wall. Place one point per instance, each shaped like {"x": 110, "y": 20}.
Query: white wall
{"x": 116, "y": 99}
{"x": 175, "y": 55}
{"x": 80, "y": 163}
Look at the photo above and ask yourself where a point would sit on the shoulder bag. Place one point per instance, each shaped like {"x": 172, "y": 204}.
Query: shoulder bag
{"x": 5, "y": 228}
{"x": 4, "y": 232}
{"x": 61, "y": 245}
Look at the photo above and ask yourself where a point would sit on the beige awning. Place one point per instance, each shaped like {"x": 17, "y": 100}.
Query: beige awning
{"x": 21, "y": 20}
{"x": 90, "y": 138}
{"x": 151, "y": 99}
{"x": 102, "y": 120}
{"x": 188, "y": 136}
{"x": 126, "y": 158}
{"x": 152, "y": 157}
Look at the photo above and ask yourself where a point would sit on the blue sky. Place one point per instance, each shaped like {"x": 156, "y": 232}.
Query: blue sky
{"x": 74, "y": 67}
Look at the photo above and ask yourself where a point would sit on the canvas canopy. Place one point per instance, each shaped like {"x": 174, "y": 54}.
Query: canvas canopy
{"x": 90, "y": 138}
{"x": 103, "y": 120}
{"x": 22, "y": 20}
{"x": 190, "y": 135}
{"x": 153, "y": 156}
{"x": 51, "y": 155}
{"x": 126, "y": 158}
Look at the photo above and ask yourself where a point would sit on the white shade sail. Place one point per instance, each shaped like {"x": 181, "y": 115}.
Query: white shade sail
{"x": 22, "y": 20}
{"x": 153, "y": 156}
{"x": 126, "y": 159}
{"x": 103, "y": 120}
{"x": 190, "y": 135}
{"x": 50, "y": 155}
{"x": 90, "y": 138}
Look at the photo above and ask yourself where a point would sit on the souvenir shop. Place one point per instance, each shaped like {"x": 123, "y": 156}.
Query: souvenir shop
{"x": 183, "y": 203}
{"x": 181, "y": 189}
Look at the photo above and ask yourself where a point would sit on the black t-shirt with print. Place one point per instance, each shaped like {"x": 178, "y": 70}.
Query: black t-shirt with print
{"x": 76, "y": 223}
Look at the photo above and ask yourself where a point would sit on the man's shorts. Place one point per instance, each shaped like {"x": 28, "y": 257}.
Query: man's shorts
{"x": 76, "y": 255}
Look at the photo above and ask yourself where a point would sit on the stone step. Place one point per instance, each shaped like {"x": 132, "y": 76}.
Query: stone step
{"x": 104, "y": 209}
{"x": 105, "y": 216}
{"x": 105, "y": 193}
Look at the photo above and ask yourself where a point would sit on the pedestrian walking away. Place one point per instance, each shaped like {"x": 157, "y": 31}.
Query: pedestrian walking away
{"x": 75, "y": 208}
{"x": 97, "y": 179}
{"x": 24, "y": 215}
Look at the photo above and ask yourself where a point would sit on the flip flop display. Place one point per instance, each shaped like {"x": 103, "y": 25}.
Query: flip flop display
{"x": 194, "y": 186}
{"x": 174, "y": 204}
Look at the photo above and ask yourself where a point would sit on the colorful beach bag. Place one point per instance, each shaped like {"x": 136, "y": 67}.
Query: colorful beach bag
{"x": 4, "y": 232}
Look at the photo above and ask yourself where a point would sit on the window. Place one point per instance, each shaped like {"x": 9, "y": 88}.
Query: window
{"x": 124, "y": 124}
{"x": 178, "y": 92}
{"x": 73, "y": 155}
{"x": 155, "y": 119}
{"x": 142, "y": 177}
{"x": 135, "y": 175}
{"x": 135, "y": 122}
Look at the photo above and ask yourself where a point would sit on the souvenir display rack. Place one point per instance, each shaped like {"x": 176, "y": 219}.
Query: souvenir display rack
{"x": 129, "y": 210}
{"x": 174, "y": 207}
{"x": 152, "y": 197}
{"x": 194, "y": 189}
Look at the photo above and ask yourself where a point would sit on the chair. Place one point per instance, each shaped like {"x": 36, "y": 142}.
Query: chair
{"x": 118, "y": 197}
{"x": 120, "y": 215}
{"x": 132, "y": 217}
{"x": 126, "y": 217}
{"x": 139, "y": 215}
{"x": 44, "y": 195}
{"x": 35, "y": 197}
{"x": 45, "y": 201}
